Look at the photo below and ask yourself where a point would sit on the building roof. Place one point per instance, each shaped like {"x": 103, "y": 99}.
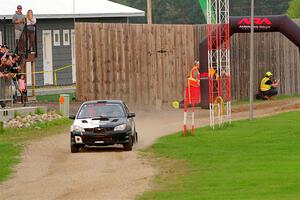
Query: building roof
{"x": 65, "y": 8}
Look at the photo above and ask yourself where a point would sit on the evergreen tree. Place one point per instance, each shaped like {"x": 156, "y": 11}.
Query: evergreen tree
{"x": 189, "y": 11}
{"x": 294, "y": 9}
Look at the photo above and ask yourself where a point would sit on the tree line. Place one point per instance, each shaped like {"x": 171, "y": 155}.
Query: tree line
{"x": 189, "y": 11}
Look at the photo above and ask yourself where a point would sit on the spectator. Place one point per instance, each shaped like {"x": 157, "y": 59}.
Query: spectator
{"x": 1, "y": 71}
{"x": 31, "y": 21}
{"x": 3, "y": 51}
{"x": 19, "y": 21}
{"x": 14, "y": 70}
{"x": 6, "y": 63}
{"x": 3, "y": 75}
{"x": 22, "y": 89}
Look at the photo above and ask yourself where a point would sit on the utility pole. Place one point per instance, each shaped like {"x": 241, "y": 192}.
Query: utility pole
{"x": 149, "y": 11}
{"x": 74, "y": 12}
{"x": 251, "y": 63}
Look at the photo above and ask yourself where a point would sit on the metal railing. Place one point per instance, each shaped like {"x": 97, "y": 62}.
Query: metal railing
{"x": 8, "y": 37}
{"x": 6, "y": 93}
{"x": 21, "y": 47}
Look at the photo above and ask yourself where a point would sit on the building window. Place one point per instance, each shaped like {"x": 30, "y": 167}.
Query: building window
{"x": 56, "y": 38}
{"x": 66, "y": 37}
{"x": 1, "y": 37}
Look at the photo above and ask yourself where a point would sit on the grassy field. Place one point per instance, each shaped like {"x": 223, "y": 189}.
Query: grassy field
{"x": 283, "y": 97}
{"x": 253, "y": 160}
{"x": 12, "y": 142}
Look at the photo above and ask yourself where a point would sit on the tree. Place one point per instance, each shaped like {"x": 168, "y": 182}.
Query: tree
{"x": 189, "y": 11}
{"x": 168, "y": 11}
{"x": 294, "y": 9}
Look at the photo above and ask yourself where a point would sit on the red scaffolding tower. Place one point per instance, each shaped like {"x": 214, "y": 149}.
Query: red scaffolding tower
{"x": 219, "y": 61}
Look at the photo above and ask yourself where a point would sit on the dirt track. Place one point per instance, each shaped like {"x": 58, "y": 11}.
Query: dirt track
{"x": 49, "y": 171}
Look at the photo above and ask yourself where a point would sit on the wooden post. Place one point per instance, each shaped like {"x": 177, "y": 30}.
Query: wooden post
{"x": 149, "y": 11}
{"x": 32, "y": 79}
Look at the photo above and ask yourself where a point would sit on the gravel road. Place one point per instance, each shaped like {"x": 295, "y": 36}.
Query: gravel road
{"x": 49, "y": 171}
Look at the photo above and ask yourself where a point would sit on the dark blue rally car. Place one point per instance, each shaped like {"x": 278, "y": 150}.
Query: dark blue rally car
{"x": 101, "y": 123}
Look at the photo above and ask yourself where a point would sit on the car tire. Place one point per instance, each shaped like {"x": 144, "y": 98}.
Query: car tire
{"x": 128, "y": 146}
{"x": 74, "y": 149}
{"x": 136, "y": 138}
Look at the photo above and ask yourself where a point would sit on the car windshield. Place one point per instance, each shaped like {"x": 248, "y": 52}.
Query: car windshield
{"x": 93, "y": 110}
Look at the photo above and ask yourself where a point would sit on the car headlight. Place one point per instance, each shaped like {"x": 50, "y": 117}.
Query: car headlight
{"x": 77, "y": 128}
{"x": 120, "y": 127}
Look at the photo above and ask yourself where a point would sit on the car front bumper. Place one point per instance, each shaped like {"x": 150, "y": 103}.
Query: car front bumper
{"x": 100, "y": 139}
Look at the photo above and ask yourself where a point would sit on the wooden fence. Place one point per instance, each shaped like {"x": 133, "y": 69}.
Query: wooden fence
{"x": 147, "y": 65}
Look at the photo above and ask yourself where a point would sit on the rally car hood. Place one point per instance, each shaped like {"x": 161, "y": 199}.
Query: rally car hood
{"x": 99, "y": 122}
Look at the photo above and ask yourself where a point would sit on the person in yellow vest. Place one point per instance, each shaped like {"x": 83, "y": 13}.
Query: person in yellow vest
{"x": 268, "y": 87}
{"x": 194, "y": 78}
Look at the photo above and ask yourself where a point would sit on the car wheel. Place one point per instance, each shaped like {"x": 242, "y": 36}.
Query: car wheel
{"x": 128, "y": 146}
{"x": 136, "y": 137}
{"x": 74, "y": 149}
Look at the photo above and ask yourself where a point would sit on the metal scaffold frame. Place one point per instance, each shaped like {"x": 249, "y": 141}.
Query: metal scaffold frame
{"x": 219, "y": 61}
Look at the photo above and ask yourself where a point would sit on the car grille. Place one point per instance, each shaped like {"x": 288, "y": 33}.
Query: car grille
{"x": 99, "y": 130}
{"x": 102, "y": 137}
{"x": 94, "y": 138}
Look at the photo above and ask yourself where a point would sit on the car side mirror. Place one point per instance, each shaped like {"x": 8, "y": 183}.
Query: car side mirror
{"x": 130, "y": 115}
{"x": 72, "y": 117}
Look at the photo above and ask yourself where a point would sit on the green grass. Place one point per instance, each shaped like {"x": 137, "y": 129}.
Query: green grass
{"x": 288, "y": 96}
{"x": 53, "y": 97}
{"x": 12, "y": 142}
{"x": 39, "y": 111}
{"x": 9, "y": 156}
{"x": 253, "y": 160}
{"x": 246, "y": 101}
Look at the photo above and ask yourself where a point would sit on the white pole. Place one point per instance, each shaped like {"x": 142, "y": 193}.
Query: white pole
{"x": 251, "y": 63}
{"x": 74, "y": 12}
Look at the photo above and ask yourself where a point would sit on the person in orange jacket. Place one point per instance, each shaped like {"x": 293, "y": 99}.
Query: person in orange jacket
{"x": 194, "y": 78}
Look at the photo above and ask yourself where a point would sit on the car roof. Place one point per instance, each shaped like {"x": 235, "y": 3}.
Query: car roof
{"x": 104, "y": 101}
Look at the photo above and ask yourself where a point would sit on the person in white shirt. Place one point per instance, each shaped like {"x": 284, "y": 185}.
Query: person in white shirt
{"x": 31, "y": 22}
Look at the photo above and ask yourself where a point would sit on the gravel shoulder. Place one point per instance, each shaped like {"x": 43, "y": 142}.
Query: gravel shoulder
{"x": 49, "y": 171}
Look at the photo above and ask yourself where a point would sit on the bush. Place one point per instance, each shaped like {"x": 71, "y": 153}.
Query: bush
{"x": 17, "y": 114}
{"x": 39, "y": 111}
{"x": 1, "y": 127}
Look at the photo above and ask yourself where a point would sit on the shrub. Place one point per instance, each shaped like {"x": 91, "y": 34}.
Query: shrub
{"x": 1, "y": 127}
{"x": 17, "y": 114}
{"x": 39, "y": 111}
